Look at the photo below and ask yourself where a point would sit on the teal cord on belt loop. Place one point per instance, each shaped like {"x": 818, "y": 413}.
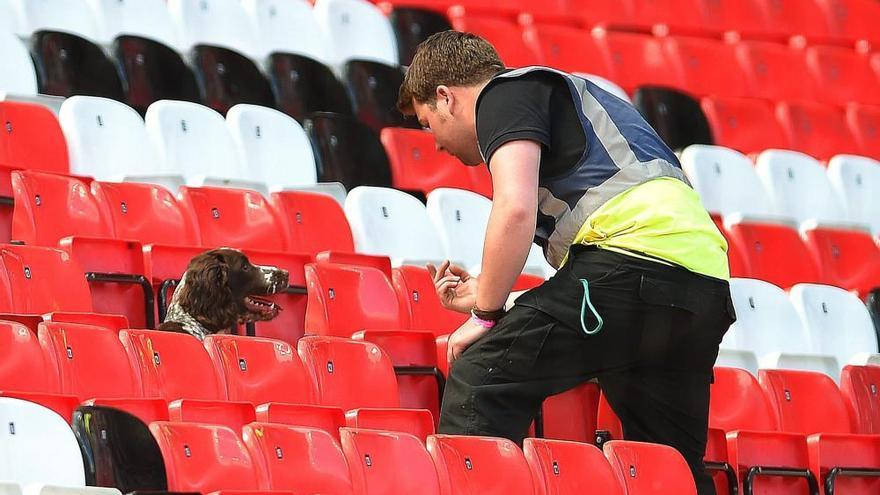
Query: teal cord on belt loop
{"x": 587, "y": 302}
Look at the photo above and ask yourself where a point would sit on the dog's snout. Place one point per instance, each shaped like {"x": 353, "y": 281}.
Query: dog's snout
{"x": 276, "y": 279}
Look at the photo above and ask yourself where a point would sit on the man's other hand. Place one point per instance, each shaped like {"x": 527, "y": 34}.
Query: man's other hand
{"x": 462, "y": 338}
{"x": 455, "y": 287}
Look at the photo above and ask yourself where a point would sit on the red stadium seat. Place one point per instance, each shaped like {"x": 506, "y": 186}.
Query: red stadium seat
{"x": 847, "y": 258}
{"x": 774, "y": 253}
{"x": 637, "y": 60}
{"x": 303, "y": 460}
{"x": 842, "y": 76}
{"x": 147, "y": 213}
{"x": 327, "y": 418}
{"x": 90, "y": 361}
{"x": 259, "y": 370}
{"x": 864, "y": 123}
{"x": 774, "y": 71}
{"x": 172, "y": 365}
{"x": 112, "y": 322}
{"x": 416, "y": 165}
{"x": 815, "y": 129}
{"x": 233, "y": 415}
{"x": 416, "y": 422}
{"x": 415, "y": 291}
{"x": 744, "y": 124}
{"x": 375, "y": 459}
{"x": 31, "y": 138}
{"x": 851, "y": 19}
{"x": 570, "y": 467}
{"x": 738, "y": 403}
{"x": 313, "y": 222}
{"x": 289, "y": 324}
{"x": 566, "y": 48}
{"x": 504, "y": 34}
{"x": 708, "y": 66}
{"x": 860, "y": 385}
{"x": 571, "y": 415}
{"x": 55, "y": 210}
{"x": 350, "y": 374}
{"x": 23, "y": 366}
{"x": 650, "y": 469}
{"x": 603, "y": 14}
{"x": 794, "y": 395}
{"x": 44, "y": 280}
{"x": 205, "y": 458}
{"x": 795, "y": 17}
{"x": 472, "y": 464}
{"x": 145, "y": 409}
{"x": 233, "y": 217}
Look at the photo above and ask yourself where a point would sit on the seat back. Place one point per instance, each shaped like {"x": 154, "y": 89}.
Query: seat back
{"x": 650, "y": 469}
{"x": 148, "y": 213}
{"x": 460, "y": 219}
{"x": 38, "y": 446}
{"x": 107, "y": 139}
{"x": 344, "y": 299}
{"x": 416, "y": 422}
{"x": 147, "y": 19}
{"x": 725, "y": 179}
{"x": 227, "y": 78}
{"x": 417, "y": 296}
{"x": 153, "y": 71}
{"x": 327, "y": 418}
{"x": 213, "y": 22}
{"x": 744, "y": 124}
{"x": 70, "y": 64}
{"x": 23, "y": 366}
{"x": 738, "y": 403}
{"x": 815, "y": 129}
{"x": 837, "y": 321}
{"x": 347, "y": 151}
{"x": 234, "y": 415}
{"x": 570, "y": 467}
{"x": 313, "y": 222}
{"x": 233, "y": 217}
{"x": 697, "y": 61}
{"x": 273, "y": 146}
{"x": 43, "y": 280}
{"x": 90, "y": 361}
{"x": 799, "y": 187}
{"x": 20, "y": 77}
{"x": 773, "y": 251}
{"x": 636, "y": 60}
{"x": 303, "y": 460}
{"x": 554, "y": 44}
{"x": 854, "y": 179}
{"x": 278, "y": 20}
{"x": 350, "y": 374}
{"x": 774, "y": 71}
{"x": 192, "y": 140}
{"x": 470, "y": 464}
{"x": 55, "y": 15}
{"x": 205, "y": 458}
{"x": 841, "y": 75}
{"x": 860, "y": 385}
{"x": 172, "y": 365}
{"x": 33, "y": 138}
{"x": 849, "y": 258}
{"x": 766, "y": 321}
{"x": 863, "y": 122}
{"x": 373, "y": 88}
{"x": 391, "y": 223}
{"x": 374, "y": 458}
{"x": 793, "y": 395}
{"x": 259, "y": 370}
{"x": 356, "y": 31}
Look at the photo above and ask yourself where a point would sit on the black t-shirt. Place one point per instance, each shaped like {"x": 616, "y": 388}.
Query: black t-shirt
{"x": 536, "y": 106}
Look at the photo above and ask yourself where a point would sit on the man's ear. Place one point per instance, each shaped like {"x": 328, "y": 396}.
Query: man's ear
{"x": 444, "y": 96}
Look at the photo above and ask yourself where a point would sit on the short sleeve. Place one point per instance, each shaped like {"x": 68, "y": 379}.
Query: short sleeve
{"x": 511, "y": 110}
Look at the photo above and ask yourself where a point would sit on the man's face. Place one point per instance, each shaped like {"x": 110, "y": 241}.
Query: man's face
{"x": 453, "y": 130}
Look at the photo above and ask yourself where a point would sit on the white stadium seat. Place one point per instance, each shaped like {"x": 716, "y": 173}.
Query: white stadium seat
{"x": 17, "y": 74}
{"x": 221, "y": 23}
{"x": 37, "y": 446}
{"x": 733, "y": 358}
{"x": 43, "y": 489}
{"x": 726, "y": 181}
{"x": 799, "y": 187}
{"x": 392, "y": 223}
{"x": 287, "y": 26}
{"x": 820, "y": 363}
{"x": 837, "y": 321}
{"x": 193, "y": 140}
{"x": 69, "y": 16}
{"x": 107, "y": 140}
{"x": 856, "y": 180}
{"x": 607, "y": 85}
{"x": 144, "y": 18}
{"x": 273, "y": 146}
{"x": 356, "y": 30}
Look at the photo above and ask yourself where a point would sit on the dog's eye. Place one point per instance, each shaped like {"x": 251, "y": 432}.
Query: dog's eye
{"x": 247, "y": 267}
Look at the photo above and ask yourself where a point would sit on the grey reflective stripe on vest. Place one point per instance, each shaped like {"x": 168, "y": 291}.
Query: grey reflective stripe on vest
{"x": 630, "y": 171}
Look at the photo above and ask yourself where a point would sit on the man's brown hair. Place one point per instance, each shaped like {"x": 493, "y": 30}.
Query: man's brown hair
{"x": 448, "y": 58}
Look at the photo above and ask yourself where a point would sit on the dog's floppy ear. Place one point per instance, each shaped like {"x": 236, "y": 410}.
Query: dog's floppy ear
{"x": 206, "y": 294}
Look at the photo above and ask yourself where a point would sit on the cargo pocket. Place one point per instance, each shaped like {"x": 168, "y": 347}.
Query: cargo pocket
{"x": 523, "y": 352}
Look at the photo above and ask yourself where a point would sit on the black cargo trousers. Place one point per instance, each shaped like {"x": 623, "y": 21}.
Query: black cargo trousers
{"x": 653, "y": 357}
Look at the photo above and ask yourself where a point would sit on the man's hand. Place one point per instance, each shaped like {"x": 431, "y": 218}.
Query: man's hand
{"x": 462, "y": 338}
{"x": 455, "y": 287}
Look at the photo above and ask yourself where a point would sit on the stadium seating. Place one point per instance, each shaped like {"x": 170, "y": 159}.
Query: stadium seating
{"x": 747, "y": 125}
{"x": 858, "y": 384}
{"x": 20, "y": 78}
{"x": 864, "y": 122}
{"x": 24, "y": 366}
{"x": 356, "y": 31}
{"x": 413, "y": 24}
{"x": 415, "y": 291}
{"x": 816, "y": 129}
{"x": 841, "y": 75}
{"x": 33, "y": 138}
{"x": 848, "y": 258}
{"x": 773, "y": 251}
{"x": 276, "y": 23}
{"x": 42, "y": 280}
{"x": 312, "y": 222}
{"x": 234, "y": 415}
{"x": 569, "y": 467}
{"x": 649, "y": 468}
{"x": 725, "y": 180}
{"x": 636, "y": 60}
{"x": 553, "y": 43}
{"x": 347, "y": 150}
{"x": 326, "y": 418}
{"x": 233, "y": 217}
{"x": 305, "y": 86}
{"x": 374, "y": 458}
{"x": 471, "y": 465}
{"x": 697, "y": 61}
{"x": 416, "y": 422}
{"x": 504, "y": 34}
{"x": 854, "y": 179}
{"x": 373, "y": 87}
{"x": 774, "y": 71}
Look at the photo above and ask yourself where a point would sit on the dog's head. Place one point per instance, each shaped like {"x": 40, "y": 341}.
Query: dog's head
{"x": 221, "y": 288}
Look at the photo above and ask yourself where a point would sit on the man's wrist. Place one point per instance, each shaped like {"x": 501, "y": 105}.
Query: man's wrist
{"x": 487, "y": 315}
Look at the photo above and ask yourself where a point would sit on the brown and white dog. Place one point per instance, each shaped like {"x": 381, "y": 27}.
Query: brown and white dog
{"x": 219, "y": 289}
